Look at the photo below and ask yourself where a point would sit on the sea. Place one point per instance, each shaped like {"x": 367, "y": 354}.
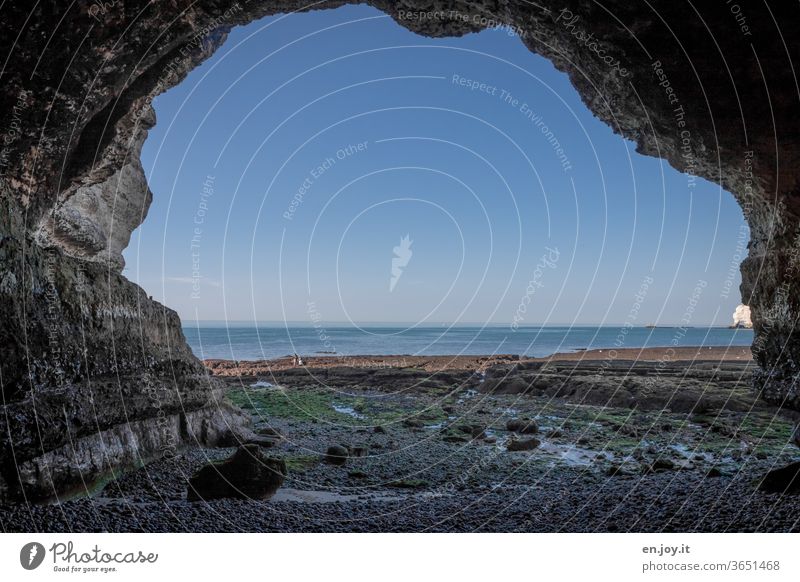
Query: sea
{"x": 240, "y": 341}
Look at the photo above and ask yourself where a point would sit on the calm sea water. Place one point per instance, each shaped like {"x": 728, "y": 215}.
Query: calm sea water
{"x": 253, "y": 343}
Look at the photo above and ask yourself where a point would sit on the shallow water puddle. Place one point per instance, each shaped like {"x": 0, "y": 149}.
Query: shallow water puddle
{"x": 348, "y": 410}
{"x": 574, "y": 456}
{"x": 304, "y": 496}
{"x": 468, "y": 394}
{"x": 690, "y": 453}
{"x": 263, "y": 384}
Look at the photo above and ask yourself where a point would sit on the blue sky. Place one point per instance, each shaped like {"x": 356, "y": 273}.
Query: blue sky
{"x": 288, "y": 167}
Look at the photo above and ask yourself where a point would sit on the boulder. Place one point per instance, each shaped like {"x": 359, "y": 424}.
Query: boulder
{"x": 522, "y": 426}
{"x": 783, "y": 480}
{"x": 247, "y": 474}
{"x": 268, "y": 431}
{"x": 474, "y": 430}
{"x": 523, "y": 445}
{"x": 337, "y": 455}
{"x": 617, "y": 471}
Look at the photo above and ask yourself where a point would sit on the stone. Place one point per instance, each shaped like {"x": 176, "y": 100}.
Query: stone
{"x": 268, "y": 431}
{"x": 522, "y": 426}
{"x": 662, "y": 464}
{"x": 247, "y": 474}
{"x": 476, "y": 431}
{"x": 785, "y": 480}
{"x": 616, "y": 471}
{"x": 337, "y": 455}
{"x": 522, "y": 445}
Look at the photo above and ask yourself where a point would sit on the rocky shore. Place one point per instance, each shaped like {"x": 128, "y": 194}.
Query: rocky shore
{"x": 520, "y": 445}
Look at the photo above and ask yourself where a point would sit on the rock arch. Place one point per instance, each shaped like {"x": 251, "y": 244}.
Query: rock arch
{"x": 89, "y": 363}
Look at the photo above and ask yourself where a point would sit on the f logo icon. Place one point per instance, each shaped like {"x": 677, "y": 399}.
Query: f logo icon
{"x": 31, "y": 555}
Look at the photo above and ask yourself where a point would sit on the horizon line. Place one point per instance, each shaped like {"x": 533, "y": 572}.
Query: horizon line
{"x": 306, "y": 323}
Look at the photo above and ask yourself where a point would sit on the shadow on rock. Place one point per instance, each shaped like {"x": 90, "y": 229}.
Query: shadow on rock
{"x": 783, "y": 480}
{"x": 247, "y": 474}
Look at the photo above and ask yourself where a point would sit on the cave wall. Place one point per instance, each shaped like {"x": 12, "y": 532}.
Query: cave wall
{"x": 85, "y": 354}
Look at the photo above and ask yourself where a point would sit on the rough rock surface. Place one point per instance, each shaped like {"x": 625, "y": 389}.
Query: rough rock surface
{"x": 522, "y": 426}
{"x": 677, "y": 386}
{"x": 93, "y": 458}
{"x": 516, "y": 445}
{"x": 83, "y": 350}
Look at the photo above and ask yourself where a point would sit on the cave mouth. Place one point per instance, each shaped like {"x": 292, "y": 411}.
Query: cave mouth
{"x": 97, "y": 377}
{"x": 478, "y": 150}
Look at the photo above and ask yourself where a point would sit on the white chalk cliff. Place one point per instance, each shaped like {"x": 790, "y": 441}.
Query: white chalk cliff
{"x": 741, "y": 317}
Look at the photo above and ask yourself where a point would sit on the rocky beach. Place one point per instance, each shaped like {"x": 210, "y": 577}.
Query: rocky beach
{"x": 104, "y": 396}
{"x": 646, "y": 440}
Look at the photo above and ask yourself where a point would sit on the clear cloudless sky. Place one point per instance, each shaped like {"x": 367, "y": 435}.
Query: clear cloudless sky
{"x": 266, "y": 209}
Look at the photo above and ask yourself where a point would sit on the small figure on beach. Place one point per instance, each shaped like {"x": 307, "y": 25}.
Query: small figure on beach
{"x": 297, "y": 360}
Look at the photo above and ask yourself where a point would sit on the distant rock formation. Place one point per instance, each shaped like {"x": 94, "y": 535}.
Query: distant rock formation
{"x": 741, "y": 317}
